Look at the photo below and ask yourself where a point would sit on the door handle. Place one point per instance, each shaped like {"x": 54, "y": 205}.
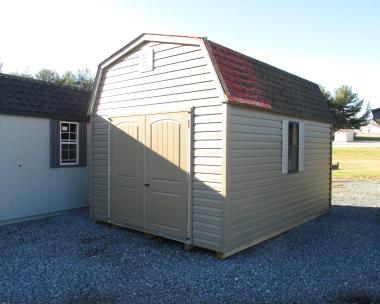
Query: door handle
{"x": 146, "y": 185}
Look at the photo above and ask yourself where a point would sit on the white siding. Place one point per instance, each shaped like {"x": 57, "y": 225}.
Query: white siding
{"x": 262, "y": 201}
{"x": 28, "y": 186}
{"x": 182, "y": 78}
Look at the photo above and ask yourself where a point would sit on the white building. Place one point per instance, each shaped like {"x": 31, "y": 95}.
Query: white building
{"x": 372, "y": 128}
{"x": 344, "y": 135}
{"x": 43, "y": 164}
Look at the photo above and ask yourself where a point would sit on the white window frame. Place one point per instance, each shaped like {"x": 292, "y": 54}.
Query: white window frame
{"x": 69, "y": 141}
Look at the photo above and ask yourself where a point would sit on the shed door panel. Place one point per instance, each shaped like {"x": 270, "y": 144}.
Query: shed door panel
{"x": 127, "y": 137}
{"x": 166, "y": 160}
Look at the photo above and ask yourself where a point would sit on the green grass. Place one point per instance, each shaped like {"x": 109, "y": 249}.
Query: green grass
{"x": 356, "y": 163}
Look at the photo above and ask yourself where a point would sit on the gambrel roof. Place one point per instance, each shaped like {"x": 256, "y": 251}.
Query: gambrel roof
{"x": 249, "y": 81}
{"x": 246, "y": 81}
{"x": 28, "y": 97}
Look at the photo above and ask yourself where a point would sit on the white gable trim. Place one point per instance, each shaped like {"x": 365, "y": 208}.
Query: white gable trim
{"x": 144, "y": 38}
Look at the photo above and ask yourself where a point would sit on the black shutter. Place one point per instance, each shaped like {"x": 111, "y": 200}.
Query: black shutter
{"x": 83, "y": 144}
{"x": 54, "y": 143}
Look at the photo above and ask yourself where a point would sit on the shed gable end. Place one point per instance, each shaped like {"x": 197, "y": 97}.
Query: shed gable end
{"x": 182, "y": 78}
{"x": 156, "y": 72}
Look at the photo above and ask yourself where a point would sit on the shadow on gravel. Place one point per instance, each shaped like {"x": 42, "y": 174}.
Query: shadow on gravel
{"x": 68, "y": 259}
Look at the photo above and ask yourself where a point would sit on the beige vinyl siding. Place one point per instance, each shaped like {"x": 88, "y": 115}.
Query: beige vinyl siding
{"x": 181, "y": 74}
{"x": 182, "y": 79}
{"x": 207, "y": 177}
{"x": 262, "y": 201}
{"x": 99, "y": 207}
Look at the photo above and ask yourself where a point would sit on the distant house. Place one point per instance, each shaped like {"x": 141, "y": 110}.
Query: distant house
{"x": 344, "y": 135}
{"x": 43, "y": 164}
{"x": 199, "y": 143}
{"x": 371, "y": 128}
{"x": 376, "y": 115}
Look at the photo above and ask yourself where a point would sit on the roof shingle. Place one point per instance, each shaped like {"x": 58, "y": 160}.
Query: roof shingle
{"x": 29, "y": 97}
{"x": 248, "y": 81}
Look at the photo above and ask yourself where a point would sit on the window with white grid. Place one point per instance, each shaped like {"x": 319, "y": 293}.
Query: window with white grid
{"x": 69, "y": 143}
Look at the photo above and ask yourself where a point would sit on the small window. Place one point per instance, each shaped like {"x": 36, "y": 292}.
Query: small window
{"x": 68, "y": 144}
{"x": 293, "y": 147}
{"x": 69, "y": 148}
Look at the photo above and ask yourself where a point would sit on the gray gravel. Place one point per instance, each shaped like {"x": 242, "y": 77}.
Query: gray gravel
{"x": 359, "y": 193}
{"x": 68, "y": 259}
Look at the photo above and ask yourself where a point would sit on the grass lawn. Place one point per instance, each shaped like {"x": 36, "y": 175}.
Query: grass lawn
{"x": 357, "y": 163}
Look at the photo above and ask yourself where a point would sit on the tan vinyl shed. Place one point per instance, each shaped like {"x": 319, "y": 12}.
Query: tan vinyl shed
{"x": 198, "y": 143}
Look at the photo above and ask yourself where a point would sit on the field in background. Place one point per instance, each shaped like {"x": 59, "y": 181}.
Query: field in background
{"x": 356, "y": 163}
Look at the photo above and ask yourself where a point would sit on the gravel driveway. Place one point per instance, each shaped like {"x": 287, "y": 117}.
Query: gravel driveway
{"x": 68, "y": 259}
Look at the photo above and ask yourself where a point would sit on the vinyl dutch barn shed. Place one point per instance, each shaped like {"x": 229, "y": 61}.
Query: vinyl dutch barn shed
{"x": 43, "y": 164}
{"x": 199, "y": 143}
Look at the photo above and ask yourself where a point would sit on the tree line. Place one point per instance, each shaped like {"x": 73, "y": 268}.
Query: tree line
{"x": 82, "y": 78}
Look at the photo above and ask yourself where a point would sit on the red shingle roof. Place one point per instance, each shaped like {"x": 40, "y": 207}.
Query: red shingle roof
{"x": 248, "y": 81}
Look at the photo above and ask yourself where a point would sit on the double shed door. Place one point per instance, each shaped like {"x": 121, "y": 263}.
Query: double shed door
{"x": 149, "y": 173}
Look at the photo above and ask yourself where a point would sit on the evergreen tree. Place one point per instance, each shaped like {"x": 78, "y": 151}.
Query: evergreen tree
{"x": 347, "y": 108}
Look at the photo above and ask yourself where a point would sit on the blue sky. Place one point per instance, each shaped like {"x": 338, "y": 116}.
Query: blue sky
{"x": 328, "y": 42}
